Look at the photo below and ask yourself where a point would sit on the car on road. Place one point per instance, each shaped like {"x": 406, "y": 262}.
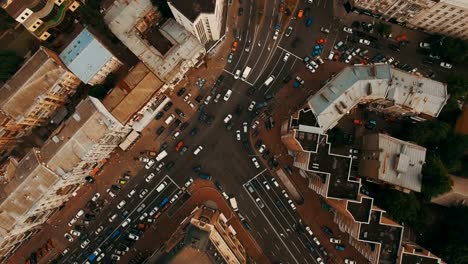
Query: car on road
{"x": 348, "y": 30}
{"x": 285, "y": 194}
{"x": 174, "y": 198}
{"x": 111, "y": 194}
{"x": 96, "y": 197}
{"x": 275, "y": 183}
{"x": 234, "y": 46}
{"x": 338, "y": 45}
{"x": 160, "y": 166}
{"x": 237, "y": 74}
{"x": 69, "y": 237}
{"x": 227, "y": 95}
{"x": 143, "y": 216}
{"x": 115, "y": 257}
{"x": 262, "y": 148}
{"x": 85, "y": 243}
{"x": 316, "y": 241}
{"x": 167, "y": 106}
{"x": 255, "y": 162}
{"x": 143, "y": 193}
{"x": 251, "y": 106}
{"x": 320, "y": 261}
{"x": 275, "y": 34}
{"x": 308, "y": 22}
{"x": 149, "y": 164}
{"x": 364, "y": 41}
{"x": 133, "y": 236}
{"x": 126, "y": 222}
{"x": 327, "y": 230}
{"x": 188, "y": 182}
{"x": 98, "y": 230}
{"x": 259, "y": 202}
{"x": 291, "y": 203}
{"x": 286, "y": 56}
{"x": 255, "y": 124}
{"x": 325, "y": 30}
{"x": 179, "y": 145}
{"x": 267, "y": 186}
{"x": 340, "y": 247}
{"x": 335, "y": 240}
{"x": 245, "y": 127}
{"x": 149, "y": 177}
{"x": 424, "y": 45}
{"x": 288, "y": 31}
{"x": 238, "y": 135}
{"x": 75, "y": 233}
{"x": 349, "y": 261}
{"x": 225, "y": 195}
{"x": 309, "y": 231}
{"x": 227, "y": 118}
{"x": 181, "y": 92}
{"x": 446, "y": 65}
{"x": 121, "y": 204}
{"x": 230, "y": 57}
{"x": 197, "y": 150}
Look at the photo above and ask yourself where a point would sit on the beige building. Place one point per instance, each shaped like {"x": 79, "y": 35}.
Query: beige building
{"x": 387, "y": 160}
{"x": 202, "y": 18}
{"x": 32, "y": 95}
{"x": 448, "y": 17}
{"x": 206, "y": 236}
{"x": 35, "y": 187}
{"x": 39, "y": 16}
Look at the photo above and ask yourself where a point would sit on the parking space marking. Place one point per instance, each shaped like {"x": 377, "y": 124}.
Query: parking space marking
{"x": 255, "y": 176}
{"x": 228, "y": 72}
{"x": 290, "y": 52}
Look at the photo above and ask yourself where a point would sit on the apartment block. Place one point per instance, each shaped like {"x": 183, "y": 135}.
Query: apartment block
{"x": 89, "y": 59}
{"x": 32, "y": 95}
{"x": 448, "y": 17}
{"x": 202, "y": 18}
{"x": 167, "y": 49}
{"x": 39, "y": 16}
{"x": 204, "y": 237}
{"x": 36, "y": 186}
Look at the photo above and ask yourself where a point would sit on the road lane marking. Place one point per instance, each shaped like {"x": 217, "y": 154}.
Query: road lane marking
{"x": 290, "y": 52}
{"x": 264, "y": 229}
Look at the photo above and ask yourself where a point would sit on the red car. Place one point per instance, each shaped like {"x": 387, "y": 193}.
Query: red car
{"x": 321, "y": 41}
{"x": 179, "y": 145}
{"x": 358, "y": 122}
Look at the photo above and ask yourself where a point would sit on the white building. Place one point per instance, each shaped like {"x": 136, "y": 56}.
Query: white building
{"x": 89, "y": 59}
{"x": 203, "y": 18}
{"x": 47, "y": 177}
{"x": 168, "y": 50}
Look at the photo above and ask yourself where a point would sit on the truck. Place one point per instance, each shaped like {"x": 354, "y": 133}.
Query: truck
{"x": 269, "y": 80}
{"x": 233, "y": 203}
{"x": 169, "y": 119}
{"x": 161, "y": 155}
{"x": 246, "y": 73}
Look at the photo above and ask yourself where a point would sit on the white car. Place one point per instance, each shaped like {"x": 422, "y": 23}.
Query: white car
{"x": 207, "y": 99}
{"x": 111, "y": 194}
{"x": 237, "y": 75}
{"x": 155, "y": 210}
{"x": 348, "y": 59}
{"x": 197, "y": 150}
{"x": 251, "y": 106}
{"x": 446, "y": 65}
{"x": 85, "y": 243}
{"x": 143, "y": 216}
{"x": 262, "y": 148}
{"x": 316, "y": 241}
{"x": 65, "y": 251}
{"x": 331, "y": 55}
{"x": 338, "y": 45}
{"x": 255, "y": 124}
{"x": 112, "y": 218}
{"x": 174, "y": 198}
{"x": 267, "y": 186}
{"x": 225, "y": 195}
{"x": 349, "y": 261}
{"x": 143, "y": 193}
{"x": 191, "y": 104}
{"x": 72, "y": 222}
{"x": 285, "y": 194}
{"x": 96, "y": 197}
{"x": 69, "y": 237}
{"x": 320, "y": 261}
{"x": 227, "y": 95}
{"x": 98, "y": 230}
{"x": 115, "y": 257}
{"x": 275, "y": 35}
{"x": 245, "y": 126}
{"x": 160, "y": 166}
{"x": 149, "y": 164}
{"x": 309, "y": 230}
{"x": 348, "y": 30}
{"x": 227, "y": 118}
{"x": 424, "y": 45}
{"x": 335, "y": 240}
{"x": 275, "y": 183}
{"x": 100, "y": 257}
{"x": 238, "y": 136}
{"x": 126, "y": 222}
{"x": 390, "y": 60}
{"x": 150, "y": 177}
{"x": 121, "y": 204}
{"x": 314, "y": 64}
{"x": 188, "y": 182}
{"x": 291, "y": 203}
{"x": 310, "y": 67}
{"x": 364, "y": 41}
{"x": 286, "y": 56}
{"x": 131, "y": 193}
{"x": 260, "y": 203}
{"x": 75, "y": 233}
{"x": 133, "y": 237}
{"x": 255, "y": 162}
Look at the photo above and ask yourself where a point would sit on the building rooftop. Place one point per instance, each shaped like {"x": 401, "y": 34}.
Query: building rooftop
{"x": 36, "y": 77}
{"x": 414, "y": 254}
{"x": 85, "y": 56}
{"x": 193, "y": 9}
{"x": 365, "y": 83}
{"x": 190, "y": 255}
{"x": 392, "y": 160}
{"x": 360, "y": 210}
{"x": 77, "y": 136}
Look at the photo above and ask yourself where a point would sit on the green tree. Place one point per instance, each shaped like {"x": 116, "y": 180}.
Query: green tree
{"x": 163, "y": 7}
{"x": 101, "y": 90}
{"x": 9, "y": 63}
{"x": 449, "y": 48}
{"x": 434, "y": 180}
{"x": 89, "y": 15}
{"x": 429, "y": 132}
{"x": 453, "y": 151}
{"x": 383, "y": 29}
{"x": 457, "y": 87}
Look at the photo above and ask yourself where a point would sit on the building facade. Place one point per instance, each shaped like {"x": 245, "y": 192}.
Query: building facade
{"x": 32, "y": 95}
{"x": 39, "y": 16}
{"x": 89, "y": 59}
{"x": 448, "y": 17}
{"x": 35, "y": 187}
{"x": 168, "y": 50}
{"x": 202, "y": 18}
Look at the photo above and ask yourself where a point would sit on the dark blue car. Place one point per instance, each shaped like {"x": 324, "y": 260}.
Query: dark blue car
{"x": 309, "y": 22}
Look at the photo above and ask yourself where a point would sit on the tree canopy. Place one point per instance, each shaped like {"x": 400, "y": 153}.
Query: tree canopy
{"x": 435, "y": 180}
{"x": 449, "y": 48}
{"x": 383, "y": 29}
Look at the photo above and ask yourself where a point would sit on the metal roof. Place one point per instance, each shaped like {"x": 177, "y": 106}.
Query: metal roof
{"x": 85, "y": 56}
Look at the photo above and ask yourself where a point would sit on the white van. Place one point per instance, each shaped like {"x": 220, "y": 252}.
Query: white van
{"x": 269, "y": 80}
{"x": 200, "y": 148}
{"x": 169, "y": 119}
{"x": 161, "y": 186}
{"x": 227, "y": 95}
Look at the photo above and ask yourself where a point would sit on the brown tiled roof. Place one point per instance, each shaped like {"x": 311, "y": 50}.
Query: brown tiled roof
{"x": 192, "y": 9}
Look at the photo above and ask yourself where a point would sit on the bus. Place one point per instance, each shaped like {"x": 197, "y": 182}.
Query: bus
{"x": 246, "y": 73}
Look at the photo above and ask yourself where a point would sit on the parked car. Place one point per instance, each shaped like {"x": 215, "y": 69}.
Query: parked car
{"x": 446, "y": 65}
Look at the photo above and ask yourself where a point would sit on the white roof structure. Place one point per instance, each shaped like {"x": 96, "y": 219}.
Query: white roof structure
{"x": 367, "y": 83}
{"x": 393, "y": 161}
